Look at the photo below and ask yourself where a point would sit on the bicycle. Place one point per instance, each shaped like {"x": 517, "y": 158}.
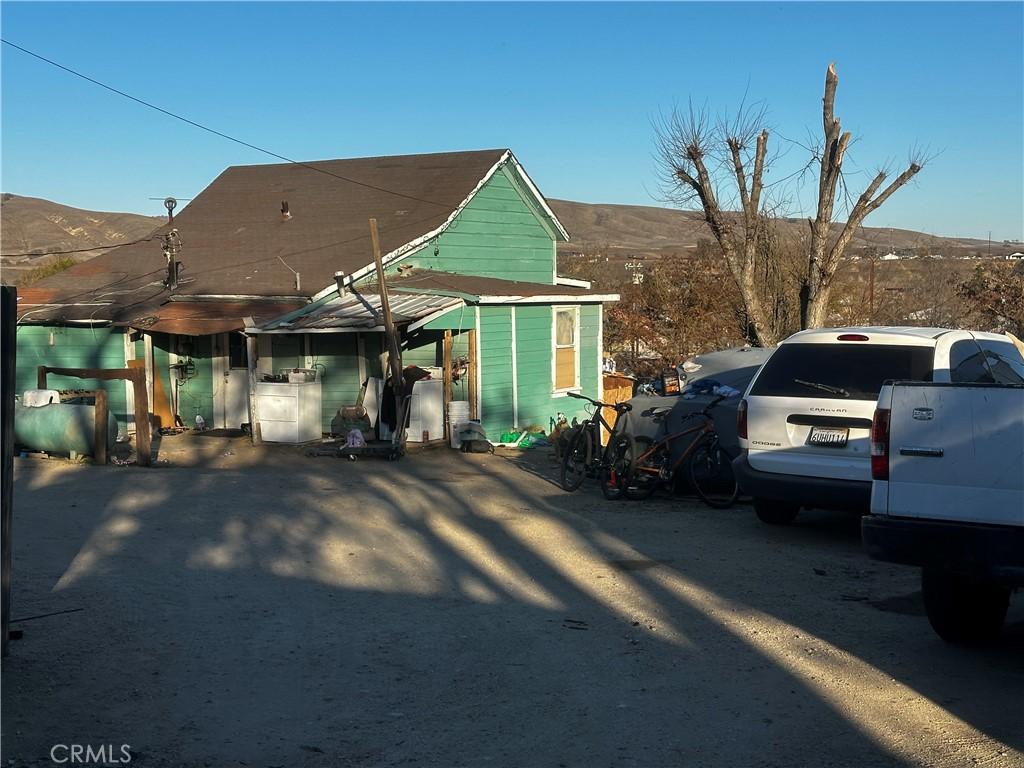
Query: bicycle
{"x": 708, "y": 464}
{"x": 584, "y": 454}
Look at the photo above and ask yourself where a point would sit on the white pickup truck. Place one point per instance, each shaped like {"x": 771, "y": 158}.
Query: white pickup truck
{"x": 947, "y": 462}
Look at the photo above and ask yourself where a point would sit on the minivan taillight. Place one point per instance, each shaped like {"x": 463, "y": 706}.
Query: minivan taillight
{"x": 880, "y": 444}
{"x": 741, "y": 420}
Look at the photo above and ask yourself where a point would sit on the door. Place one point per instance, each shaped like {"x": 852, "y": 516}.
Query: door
{"x": 231, "y": 398}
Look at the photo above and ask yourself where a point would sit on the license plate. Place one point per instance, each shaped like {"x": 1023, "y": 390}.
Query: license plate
{"x": 832, "y": 437}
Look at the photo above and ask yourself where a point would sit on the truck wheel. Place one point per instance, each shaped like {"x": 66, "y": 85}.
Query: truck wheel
{"x": 960, "y": 611}
{"x": 775, "y": 512}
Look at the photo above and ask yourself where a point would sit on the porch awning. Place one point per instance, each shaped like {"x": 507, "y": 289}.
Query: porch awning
{"x": 417, "y": 295}
{"x": 200, "y": 318}
{"x": 359, "y": 312}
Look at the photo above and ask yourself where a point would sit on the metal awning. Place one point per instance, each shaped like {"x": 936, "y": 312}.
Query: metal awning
{"x": 359, "y": 312}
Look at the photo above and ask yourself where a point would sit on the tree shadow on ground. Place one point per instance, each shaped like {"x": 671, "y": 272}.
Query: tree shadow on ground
{"x": 445, "y": 609}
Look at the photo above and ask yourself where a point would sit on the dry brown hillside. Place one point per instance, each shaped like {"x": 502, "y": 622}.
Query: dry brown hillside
{"x": 36, "y": 227}
{"x": 646, "y": 231}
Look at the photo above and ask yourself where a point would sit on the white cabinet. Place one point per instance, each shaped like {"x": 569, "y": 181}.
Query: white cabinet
{"x": 289, "y": 413}
{"x": 426, "y": 411}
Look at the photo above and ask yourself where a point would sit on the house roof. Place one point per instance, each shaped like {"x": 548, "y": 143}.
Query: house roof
{"x": 235, "y": 242}
{"x": 199, "y": 318}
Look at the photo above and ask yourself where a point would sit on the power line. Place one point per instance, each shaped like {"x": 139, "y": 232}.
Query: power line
{"x": 76, "y": 250}
{"x": 219, "y": 133}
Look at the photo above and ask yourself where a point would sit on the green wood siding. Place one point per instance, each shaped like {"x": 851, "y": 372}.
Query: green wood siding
{"x": 336, "y": 358}
{"x": 537, "y": 404}
{"x": 73, "y": 347}
{"x": 498, "y": 234}
{"x": 496, "y": 370}
{"x": 461, "y": 319}
{"x": 195, "y": 396}
{"x": 533, "y": 366}
{"x": 590, "y": 331}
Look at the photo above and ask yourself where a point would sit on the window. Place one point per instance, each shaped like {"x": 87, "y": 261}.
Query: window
{"x": 566, "y": 348}
{"x": 1004, "y": 361}
{"x": 967, "y": 363}
{"x": 238, "y": 356}
{"x": 855, "y": 367}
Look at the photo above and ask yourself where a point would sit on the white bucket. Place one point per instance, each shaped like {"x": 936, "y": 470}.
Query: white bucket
{"x": 458, "y": 417}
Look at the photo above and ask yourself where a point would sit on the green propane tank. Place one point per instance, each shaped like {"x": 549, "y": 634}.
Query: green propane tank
{"x": 60, "y": 427}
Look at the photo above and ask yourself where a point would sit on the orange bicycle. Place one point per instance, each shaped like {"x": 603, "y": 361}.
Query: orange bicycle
{"x": 708, "y": 464}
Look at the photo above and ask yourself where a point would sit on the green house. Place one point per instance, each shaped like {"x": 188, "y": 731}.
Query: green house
{"x": 275, "y": 263}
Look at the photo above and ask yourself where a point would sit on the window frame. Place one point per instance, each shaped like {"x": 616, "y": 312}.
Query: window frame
{"x": 555, "y": 309}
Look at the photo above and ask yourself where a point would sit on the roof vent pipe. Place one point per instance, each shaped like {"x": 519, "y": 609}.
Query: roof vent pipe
{"x": 339, "y": 281}
{"x": 285, "y": 213}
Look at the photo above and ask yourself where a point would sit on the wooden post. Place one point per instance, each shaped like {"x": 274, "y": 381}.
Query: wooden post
{"x": 394, "y": 350}
{"x": 99, "y": 448}
{"x": 471, "y": 373}
{"x": 9, "y": 342}
{"x": 446, "y": 363}
{"x": 252, "y": 353}
{"x": 143, "y": 434}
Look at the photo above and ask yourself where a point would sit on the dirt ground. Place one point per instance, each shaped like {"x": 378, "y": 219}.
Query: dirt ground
{"x": 253, "y": 607}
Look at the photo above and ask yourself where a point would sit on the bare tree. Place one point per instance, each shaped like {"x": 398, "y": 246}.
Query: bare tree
{"x": 695, "y": 153}
{"x": 825, "y": 252}
{"x": 721, "y": 165}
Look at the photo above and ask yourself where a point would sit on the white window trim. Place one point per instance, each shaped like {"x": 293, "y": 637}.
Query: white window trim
{"x": 555, "y": 391}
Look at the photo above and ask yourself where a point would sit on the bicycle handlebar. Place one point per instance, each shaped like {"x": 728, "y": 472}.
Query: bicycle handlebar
{"x": 619, "y": 407}
{"x": 718, "y": 398}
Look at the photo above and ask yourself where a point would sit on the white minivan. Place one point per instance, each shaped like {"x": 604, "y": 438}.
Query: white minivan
{"x": 804, "y": 424}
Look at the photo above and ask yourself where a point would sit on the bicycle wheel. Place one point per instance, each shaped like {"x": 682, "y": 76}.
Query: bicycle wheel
{"x": 615, "y": 471}
{"x": 710, "y": 472}
{"x": 577, "y": 458}
{"x": 644, "y": 476}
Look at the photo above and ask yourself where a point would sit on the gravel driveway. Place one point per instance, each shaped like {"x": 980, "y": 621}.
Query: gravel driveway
{"x": 260, "y": 608}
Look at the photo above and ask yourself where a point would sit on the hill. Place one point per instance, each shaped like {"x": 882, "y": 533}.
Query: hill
{"x": 647, "y": 231}
{"x": 35, "y": 227}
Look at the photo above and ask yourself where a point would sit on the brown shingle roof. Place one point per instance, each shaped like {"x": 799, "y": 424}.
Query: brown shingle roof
{"x": 234, "y": 237}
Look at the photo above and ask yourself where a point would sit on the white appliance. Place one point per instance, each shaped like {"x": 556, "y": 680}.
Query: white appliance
{"x": 289, "y": 413}
{"x": 33, "y": 398}
{"x": 426, "y": 411}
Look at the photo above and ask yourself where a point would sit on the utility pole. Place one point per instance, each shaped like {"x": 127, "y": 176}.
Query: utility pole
{"x": 636, "y": 268}
{"x": 871, "y": 292}
{"x": 394, "y": 350}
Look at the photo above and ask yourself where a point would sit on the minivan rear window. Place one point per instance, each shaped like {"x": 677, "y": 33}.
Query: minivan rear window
{"x": 849, "y": 369}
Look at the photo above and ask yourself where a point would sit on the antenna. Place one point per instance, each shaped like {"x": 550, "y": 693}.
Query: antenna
{"x": 170, "y": 204}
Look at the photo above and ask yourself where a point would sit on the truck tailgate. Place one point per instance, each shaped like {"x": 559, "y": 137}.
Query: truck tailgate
{"x": 957, "y": 453}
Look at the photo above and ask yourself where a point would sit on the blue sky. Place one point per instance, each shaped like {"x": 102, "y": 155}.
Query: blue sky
{"x": 571, "y": 88}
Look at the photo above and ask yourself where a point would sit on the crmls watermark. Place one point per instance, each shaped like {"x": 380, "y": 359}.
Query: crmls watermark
{"x": 87, "y": 754}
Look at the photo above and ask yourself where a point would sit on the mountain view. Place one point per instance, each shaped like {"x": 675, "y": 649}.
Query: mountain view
{"x": 34, "y": 228}
{"x": 31, "y": 228}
